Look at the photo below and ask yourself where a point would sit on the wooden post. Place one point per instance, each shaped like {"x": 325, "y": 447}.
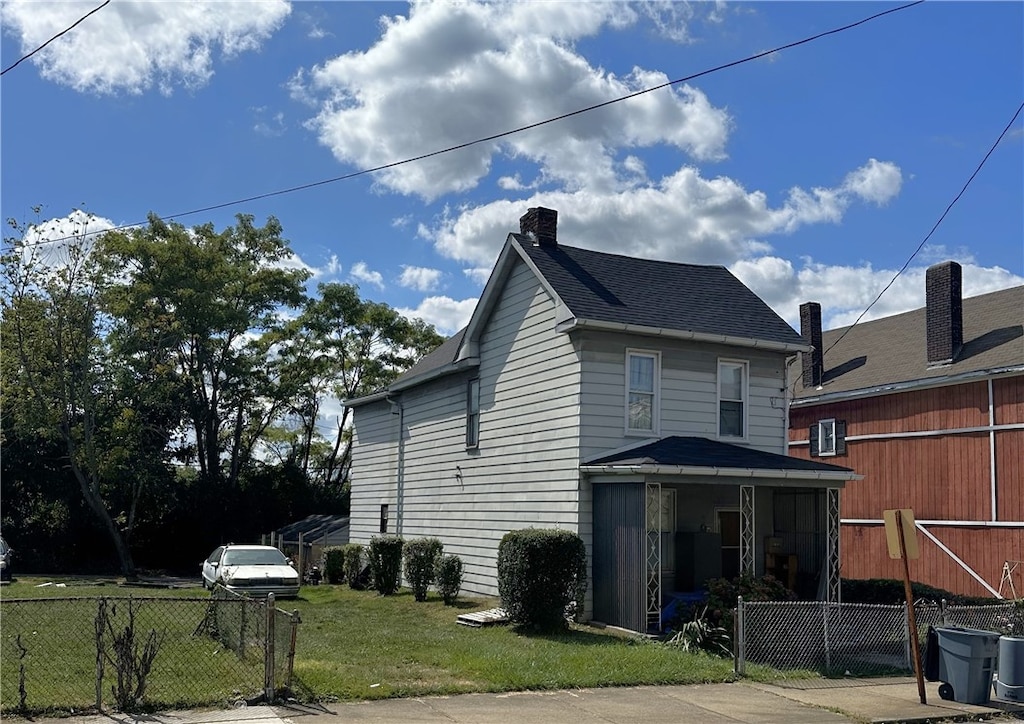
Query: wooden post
{"x": 915, "y": 652}
{"x": 302, "y": 559}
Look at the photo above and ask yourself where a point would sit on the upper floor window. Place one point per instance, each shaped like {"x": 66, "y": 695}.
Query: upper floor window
{"x": 473, "y": 413}
{"x": 828, "y": 437}
{"x": 732, "y": 399}
{"x": 643, "y": 374}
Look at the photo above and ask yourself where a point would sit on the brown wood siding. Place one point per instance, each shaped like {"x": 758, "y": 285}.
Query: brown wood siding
{"x": 1010, "y": 474}
{"x": 865, "y": 555}
{"x": 940, "y": 478}
{"x": 1008, "y": 394}
{"x": 938, "y": 408}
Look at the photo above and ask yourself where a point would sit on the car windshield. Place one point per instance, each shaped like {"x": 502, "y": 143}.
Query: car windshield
{"x": 260, "y": 557}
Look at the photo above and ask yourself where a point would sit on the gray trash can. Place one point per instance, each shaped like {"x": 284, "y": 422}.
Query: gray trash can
{"x": 1010, "y": 677}
{"x": 967, "y": 662}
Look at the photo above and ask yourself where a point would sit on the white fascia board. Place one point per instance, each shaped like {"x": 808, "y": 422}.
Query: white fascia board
{"x": 725, "y": 339}
{"x": 450, "y": 369}
{"x": 366, "y": 399}
{"x": 920, "y": 384}
{"x": 689, "y": 470}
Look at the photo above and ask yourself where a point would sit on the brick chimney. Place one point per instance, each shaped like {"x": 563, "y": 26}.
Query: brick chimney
{"x": 541, "y": 225}
{"x": 944, "y": 312}
{"x": 810, "y": 330}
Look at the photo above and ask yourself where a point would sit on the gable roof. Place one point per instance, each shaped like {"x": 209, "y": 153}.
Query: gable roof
{"x": 890, "y": 354}
{"x": 659, "y": 295}
{"x": 617, "y": 293}
{"x": 701, "y": 456}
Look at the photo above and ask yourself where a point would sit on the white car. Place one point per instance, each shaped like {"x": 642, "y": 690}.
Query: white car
{"x": 251, "y": 571}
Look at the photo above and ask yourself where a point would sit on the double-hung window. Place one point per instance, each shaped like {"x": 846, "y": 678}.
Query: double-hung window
{"x": 732, "y": 398}
{"x": 643, "y": 372}
{"x": 473, "y": 413}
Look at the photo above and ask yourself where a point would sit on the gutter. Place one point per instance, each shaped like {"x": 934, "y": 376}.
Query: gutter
{"x": 405, "y": 384}
{"x": 577, "y": 323}
{"x": 918, "y": 384}
{"x": 654, "y": 469}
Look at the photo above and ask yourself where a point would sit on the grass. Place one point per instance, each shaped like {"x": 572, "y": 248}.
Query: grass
{"x": 351, "y": 645}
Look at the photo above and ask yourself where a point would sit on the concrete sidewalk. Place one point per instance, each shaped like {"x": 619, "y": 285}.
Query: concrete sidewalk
{"x": 806, "y": 702}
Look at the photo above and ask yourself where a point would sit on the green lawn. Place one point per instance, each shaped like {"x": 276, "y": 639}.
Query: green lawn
{"x": 350, "y": 645}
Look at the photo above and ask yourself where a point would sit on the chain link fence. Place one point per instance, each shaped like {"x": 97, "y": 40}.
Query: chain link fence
{"x": 68, "y": 655}
{"x": 852, "y": 639}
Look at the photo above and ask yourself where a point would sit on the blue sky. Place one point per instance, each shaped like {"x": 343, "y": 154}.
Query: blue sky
{"x": 812, "y": 173}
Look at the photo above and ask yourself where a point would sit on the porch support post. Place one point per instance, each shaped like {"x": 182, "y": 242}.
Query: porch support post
{"x": 747, "y": 529}
{"x": 653, "y": 557}
{"x": 832, "y": 559}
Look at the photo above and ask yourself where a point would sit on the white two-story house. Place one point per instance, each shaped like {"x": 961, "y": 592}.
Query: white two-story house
{"x": 639, "y": 403}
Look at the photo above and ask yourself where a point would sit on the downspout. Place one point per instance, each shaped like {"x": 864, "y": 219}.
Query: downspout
{"x": 399, "y": 410}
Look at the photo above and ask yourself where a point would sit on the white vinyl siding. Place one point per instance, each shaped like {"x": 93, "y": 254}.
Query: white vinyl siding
{"x": 688, "y": 392}
{"x": 525, "y": 470}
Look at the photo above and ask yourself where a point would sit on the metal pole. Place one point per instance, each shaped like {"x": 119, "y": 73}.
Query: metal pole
{"x": 828, "y": 648}
{"x": 269, "y": 649}
{"x": 302, "y": 559}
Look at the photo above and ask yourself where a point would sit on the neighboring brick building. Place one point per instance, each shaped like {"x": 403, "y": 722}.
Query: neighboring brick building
{"x": 929, "y": 407}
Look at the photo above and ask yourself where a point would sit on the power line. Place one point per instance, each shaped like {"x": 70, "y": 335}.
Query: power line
{"x": 514, "y": 131}
{"x": 929, "y": 234}
{"x": 68, "y": 29}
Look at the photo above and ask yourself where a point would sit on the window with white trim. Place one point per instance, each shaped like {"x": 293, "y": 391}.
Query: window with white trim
{"x": 643, "y": 372}
{"x": 732, "y": 399}
{"x": 827, "y": 438}
{"x": 473, "y": 413}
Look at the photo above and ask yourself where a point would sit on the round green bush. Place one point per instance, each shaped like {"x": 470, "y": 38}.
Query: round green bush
{"x": 418, "y": 556}
{"x": 386, "y": 562}
{"x": 542, "y": 575}
{"x": 448, "y": 574}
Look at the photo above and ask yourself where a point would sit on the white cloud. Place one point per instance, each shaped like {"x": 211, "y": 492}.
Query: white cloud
{"x": 478, "y": 275}
{"x": 684, "y": 217}
{"x": 419, "y": 278}
{"x": 875, "y": 181}
{"x": 445, "y": 313}
{"x": 130, "y": 45}
{"x": 361, "y": 272}
{"x": 513, "y": 64}
{"x": 400, "y": 222}
{"x": 268, "y": 124}
{"x": 845, "y": 291}
{"x": 53, "y": 243}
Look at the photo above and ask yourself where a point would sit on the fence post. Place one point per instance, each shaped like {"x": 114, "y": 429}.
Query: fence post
{"x": 828, "y": 648}
{"x": 101, "y": 624}
{"x": 268, "y": 679}
{"x": 302, "y": 559}
{"x": 942, "y": 612}
{"x": 296, "y": 620}
{"x": 740, "y": 656}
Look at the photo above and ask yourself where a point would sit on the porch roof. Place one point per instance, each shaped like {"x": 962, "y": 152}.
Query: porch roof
{"x": 678, "y": 455}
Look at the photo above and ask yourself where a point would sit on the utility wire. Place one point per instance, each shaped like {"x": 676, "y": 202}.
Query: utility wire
{"x": 68, "y": 29}
{"x": 929, "y": 234}
{"x": 514, "y": 131}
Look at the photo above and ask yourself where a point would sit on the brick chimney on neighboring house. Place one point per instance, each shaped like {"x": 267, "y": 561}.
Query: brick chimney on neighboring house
{"x": 944, "y": 312}
{"x": 541, "y": 225}
{"x": 810, "y": 330}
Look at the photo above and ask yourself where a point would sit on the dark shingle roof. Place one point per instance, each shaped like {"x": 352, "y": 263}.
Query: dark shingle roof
{"x": 441, "y": 356}
{"x": 704, "y": 453}
{"x": 892, "y": 350}
{"x": 686, "y": 297}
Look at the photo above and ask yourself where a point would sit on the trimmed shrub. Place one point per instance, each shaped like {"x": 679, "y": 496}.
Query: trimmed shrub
{"x": 542, "y": 576}
{"x": 334, "y": 564}
{"x": 723, "y": 594}
{"x": 418, "y": 557}
{"x": 353, "y": 562}
{"x": 448, "y": 574}
{"x": 385, "y": 554}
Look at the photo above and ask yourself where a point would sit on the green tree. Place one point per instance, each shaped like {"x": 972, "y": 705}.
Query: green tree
{"x": 61, "y": 384}
{"x": 210, "y": 304}
{"x": 344, "y": 346}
